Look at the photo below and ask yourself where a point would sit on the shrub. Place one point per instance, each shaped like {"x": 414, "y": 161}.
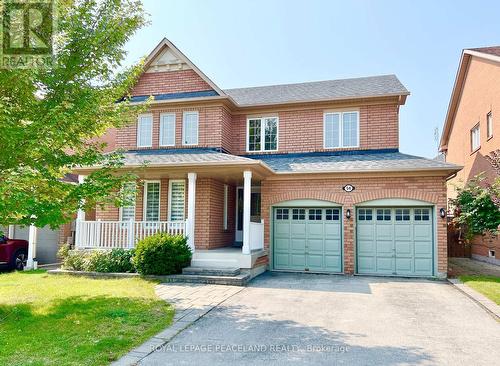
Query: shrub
{"x": 162, "y": 254}
{"x": 114, "y": 260}
{"x": 106, "y": 261}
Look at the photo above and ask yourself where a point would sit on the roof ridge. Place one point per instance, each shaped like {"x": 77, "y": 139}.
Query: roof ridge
{"x": 312, "y": 82}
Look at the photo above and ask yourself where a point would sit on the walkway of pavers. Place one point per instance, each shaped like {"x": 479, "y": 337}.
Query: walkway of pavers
{"x": 191, "y": 301}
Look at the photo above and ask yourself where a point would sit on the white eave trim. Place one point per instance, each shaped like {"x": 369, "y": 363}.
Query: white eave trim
{"x": 483, "y": 55}
{"x": 444, "y": 169}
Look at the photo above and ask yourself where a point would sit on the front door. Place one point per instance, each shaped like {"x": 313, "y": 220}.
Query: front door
{"x": 254, "y": 210}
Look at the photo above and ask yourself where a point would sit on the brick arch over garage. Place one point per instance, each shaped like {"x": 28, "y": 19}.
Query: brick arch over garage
{"x": 413, "y": 194}
{"x": 354, "y": 197}
{"x": 313, "y": 195}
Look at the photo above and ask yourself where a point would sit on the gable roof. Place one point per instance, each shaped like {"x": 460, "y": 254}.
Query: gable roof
{"x": 166, "y": 44}
{"x": 364, "y": 87}
{"x": 487, "y": 53}
{"x": 319, "y": 91}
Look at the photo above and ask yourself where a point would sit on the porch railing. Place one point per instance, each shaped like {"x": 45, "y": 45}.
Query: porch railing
{"x": 121, "y": 234}
{"x": 257, "y": 235}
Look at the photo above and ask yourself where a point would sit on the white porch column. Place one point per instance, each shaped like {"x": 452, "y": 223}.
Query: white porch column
{"x": 31, "y": 247}
{"x": 247, "y": 190}
{"x": 80, "y": 216}
{"x": 11, "y": 234}
{"x": 191, "y": 209}
{"x": 81, "y": 213}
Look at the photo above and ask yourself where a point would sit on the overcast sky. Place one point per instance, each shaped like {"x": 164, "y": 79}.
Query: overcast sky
{"x": 240, "y": 43}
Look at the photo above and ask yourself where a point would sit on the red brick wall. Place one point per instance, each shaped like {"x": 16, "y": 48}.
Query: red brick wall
{"x": 302, "y": 130}
{"x": 481, "y": 245}
{"x": 299, "y": 131}
{"x": 166, "y": 82}
{"x": 429, "y": 189}
{"x": 209, "y": 228}
{"x": 209, "y": 128}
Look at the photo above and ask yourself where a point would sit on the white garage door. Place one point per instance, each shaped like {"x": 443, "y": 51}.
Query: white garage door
{"x": 395, "y": 241}
{"x": 47, "y": 243}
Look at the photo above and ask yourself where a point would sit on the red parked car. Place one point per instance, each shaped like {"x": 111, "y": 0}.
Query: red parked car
{"x": 13, "y": 252}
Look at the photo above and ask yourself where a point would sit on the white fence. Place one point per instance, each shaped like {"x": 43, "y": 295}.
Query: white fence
{"x": 121, "y": 234}
{"x": 257, "y": 235}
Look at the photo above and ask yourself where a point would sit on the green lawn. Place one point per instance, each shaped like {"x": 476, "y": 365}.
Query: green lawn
{"x": 64, "y": 320}
{"x": 489, "y": 286}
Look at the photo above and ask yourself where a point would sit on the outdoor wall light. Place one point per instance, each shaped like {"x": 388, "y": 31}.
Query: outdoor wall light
{"x": 442, "y": 213}
{"x": 348, "y": 214}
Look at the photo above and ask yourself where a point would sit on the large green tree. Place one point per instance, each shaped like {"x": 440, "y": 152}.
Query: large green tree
{"x": 50, "y": 118}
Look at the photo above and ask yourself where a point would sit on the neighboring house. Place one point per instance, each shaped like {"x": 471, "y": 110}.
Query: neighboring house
{"x": 298, "y": 177}
{"x": 472, "y": 127}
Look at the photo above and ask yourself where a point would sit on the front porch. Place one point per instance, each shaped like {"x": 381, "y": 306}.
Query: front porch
{"x": 216, "y": 209}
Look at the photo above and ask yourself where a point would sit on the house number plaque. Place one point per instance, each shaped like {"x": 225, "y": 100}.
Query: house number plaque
{"x": 348, "y": 188}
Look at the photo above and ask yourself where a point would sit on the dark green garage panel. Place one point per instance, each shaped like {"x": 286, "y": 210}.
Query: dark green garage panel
{"x": 395, "y": 241}
{"x": 307, "y": 239}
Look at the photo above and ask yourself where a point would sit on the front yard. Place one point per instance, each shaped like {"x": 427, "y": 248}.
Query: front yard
{"x": 489, "y": 286}
{"x": 63, "y": 320}
{"x": 482, "y": 277}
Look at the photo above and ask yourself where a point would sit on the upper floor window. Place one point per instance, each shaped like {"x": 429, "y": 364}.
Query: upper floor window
{"x": 489, "y": 125}
{"x": 167, "y": 129}
{"x": 341, "y": 129}
{"x": 262, "y": 134}
{"x": 475, "y": 138}
{"x": 145, "y": 130}
{"x": 190, "y": 128}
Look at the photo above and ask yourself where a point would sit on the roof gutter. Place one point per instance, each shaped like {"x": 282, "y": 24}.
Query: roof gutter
{"x": 436, "y": 169}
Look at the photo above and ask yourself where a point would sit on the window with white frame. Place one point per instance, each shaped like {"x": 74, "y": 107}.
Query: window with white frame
{"x": 225, "y": 208}
{"x": 190, "y": 128}
{"x": 262, "y": 134}
{"x": 145, "y": 130}
{"x": 167, "y": 129}
{"x": 475, "y": 138}
{"x": 127, "y": 212}
{"x": 489, "y": 125}
{"x": 341, "y": 129}
{"x": 176, "y": 200}
{"x": 152, "y": 201}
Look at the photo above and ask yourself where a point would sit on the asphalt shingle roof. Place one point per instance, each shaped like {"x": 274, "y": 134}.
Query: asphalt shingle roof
{"x": 290, "y": 163}
{"x": 364, "y": 162}
{"x": 180, "y": 156}
{"x": 319, "y": 90}
{"x": 494, "y": 50}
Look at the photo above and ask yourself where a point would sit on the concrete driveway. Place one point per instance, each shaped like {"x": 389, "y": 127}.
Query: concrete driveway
{"x": 307, "y": 319}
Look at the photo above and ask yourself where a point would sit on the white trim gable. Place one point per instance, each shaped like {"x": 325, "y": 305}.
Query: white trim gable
{"x": 172, "y": 54}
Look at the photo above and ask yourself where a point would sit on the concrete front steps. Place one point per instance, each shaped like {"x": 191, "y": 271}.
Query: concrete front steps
{"x": 212, "y": 275}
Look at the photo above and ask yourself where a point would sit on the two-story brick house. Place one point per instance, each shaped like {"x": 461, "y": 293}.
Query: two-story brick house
{"x": 471, "y": 128}
{"x": 299, "y": 177}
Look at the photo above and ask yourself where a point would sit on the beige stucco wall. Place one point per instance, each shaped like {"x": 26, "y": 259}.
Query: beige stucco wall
{"x": 480, "y": 95}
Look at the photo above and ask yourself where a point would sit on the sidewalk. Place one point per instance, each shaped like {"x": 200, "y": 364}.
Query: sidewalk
{"x": 191, "y": 301}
